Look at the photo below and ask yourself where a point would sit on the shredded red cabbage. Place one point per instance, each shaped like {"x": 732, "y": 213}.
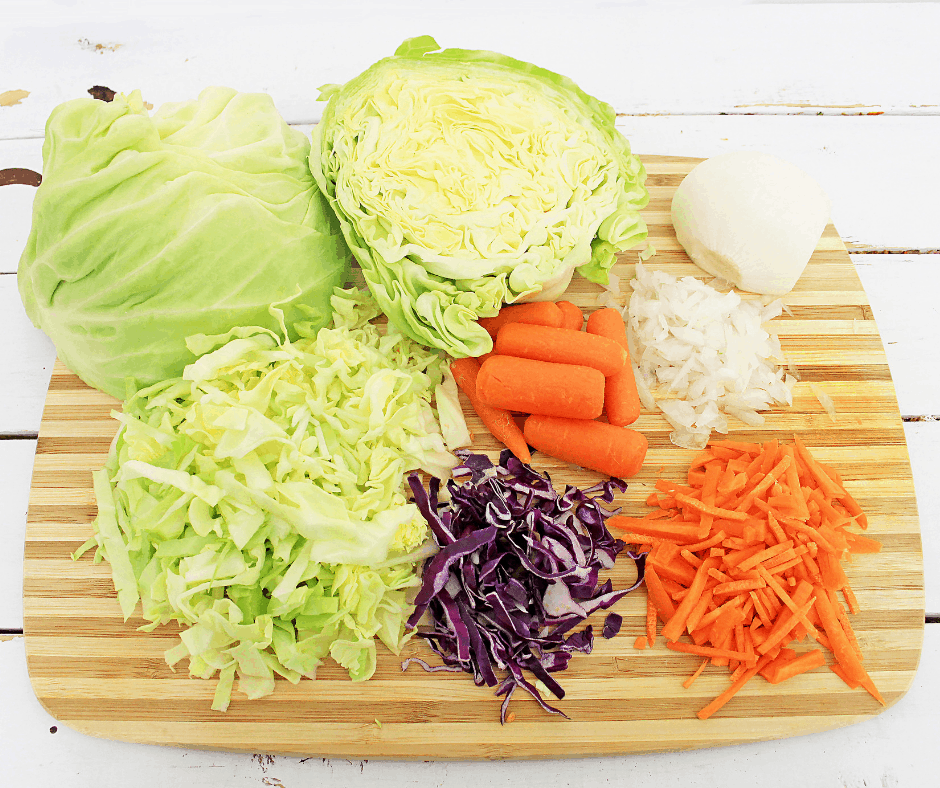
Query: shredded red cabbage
{"x": 517, "y": 571}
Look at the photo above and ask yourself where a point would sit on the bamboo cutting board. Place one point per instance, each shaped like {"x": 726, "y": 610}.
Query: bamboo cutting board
{"x": 99, "y": 675}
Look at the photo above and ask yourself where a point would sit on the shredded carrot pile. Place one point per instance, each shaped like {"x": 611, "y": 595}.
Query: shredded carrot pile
{"x": 745, "y": 559}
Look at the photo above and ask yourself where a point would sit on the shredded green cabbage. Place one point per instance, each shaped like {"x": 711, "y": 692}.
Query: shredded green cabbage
{"x": 258, "y": 499}
{"x": 465, "y": 179}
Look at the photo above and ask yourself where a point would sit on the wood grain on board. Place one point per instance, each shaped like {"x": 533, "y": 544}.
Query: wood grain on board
{"x": 98, "y": 674}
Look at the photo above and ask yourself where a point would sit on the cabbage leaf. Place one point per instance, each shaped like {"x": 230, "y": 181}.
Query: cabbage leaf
{"x": 258, "y": 499}
{"x": 147, "y": 229}
{"x": 466, "y": 179}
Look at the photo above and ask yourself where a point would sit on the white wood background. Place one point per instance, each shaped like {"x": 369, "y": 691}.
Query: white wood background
{"x": 850, "y": 92}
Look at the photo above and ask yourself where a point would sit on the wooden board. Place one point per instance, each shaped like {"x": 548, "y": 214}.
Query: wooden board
{"x": 97, "y": 674}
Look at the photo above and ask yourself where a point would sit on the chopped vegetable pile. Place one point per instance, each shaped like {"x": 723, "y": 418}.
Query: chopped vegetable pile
{"x": 703, "y": 355}
{"x": 258, "y": 499}
{"x": 518, "y": 569}
{"x": 745, "y": 559}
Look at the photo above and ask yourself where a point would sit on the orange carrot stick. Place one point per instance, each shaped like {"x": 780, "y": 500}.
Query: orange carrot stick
{"x": 658, "y": 594}
{"x": 789, "y": 622}
{"x": 621, "y": 399}
{"x": 699, "y": 610}
{"x": 698, "y": 672}
{"x": 841, "y": 646}
{"x": 656, "y": 528}
{"x": 715, "y": 511}
{"x": 499, "y": 422}
{"x": 737, "y": 586}
{"x": 543, "y": 313}
{"x": 828, "y": 486}
{"x": 601, "y": 447}
{"x": 532, "y": 386}
{"x": 650, "y": 622}
{"x": 571, "y": 315}
{"x": 862, "y": 544}
{"x": 728, "y": 694}
{"x": 709, "y": 651}
{"x": 560, "y": 346}
{"x": 787, "y": 669}
{"x": 675, "y": 626}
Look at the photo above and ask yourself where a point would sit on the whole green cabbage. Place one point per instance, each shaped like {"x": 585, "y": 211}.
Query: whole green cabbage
{"x": 148, "y": 229}
{"x": 465, "y": 179}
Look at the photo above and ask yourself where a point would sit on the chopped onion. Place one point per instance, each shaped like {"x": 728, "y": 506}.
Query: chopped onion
{"x": 702, "y": 355}
{"x": 825, "y": 400}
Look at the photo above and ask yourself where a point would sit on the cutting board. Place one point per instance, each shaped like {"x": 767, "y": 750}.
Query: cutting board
{"x": 97, "y": 674}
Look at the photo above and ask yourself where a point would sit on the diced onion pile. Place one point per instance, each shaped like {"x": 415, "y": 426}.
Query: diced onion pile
{"x": 702, "y": 355}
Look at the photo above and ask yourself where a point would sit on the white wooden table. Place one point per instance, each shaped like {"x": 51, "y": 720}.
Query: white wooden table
{"x": 849, "y": 92}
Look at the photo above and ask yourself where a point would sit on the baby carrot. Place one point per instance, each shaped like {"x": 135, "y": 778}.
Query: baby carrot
{"x": 540, "y": 387}
{"x": 615, "y": 451}
{"x": 499, "y": 422}
{"x": 621, "y": 400}
{"x": 573, "y": 318}
{"x": 543, "y": 313}
{"x": 560, "y": 346}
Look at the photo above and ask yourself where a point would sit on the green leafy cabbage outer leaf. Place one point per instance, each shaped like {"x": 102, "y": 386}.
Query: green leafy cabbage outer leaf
{"x": 465, "y": 179}
{"x": 148, "y": 229}
{"x": 258, "y": 500}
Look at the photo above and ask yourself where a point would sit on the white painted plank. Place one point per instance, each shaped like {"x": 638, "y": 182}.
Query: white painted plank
{"x": 16, "y": 202}
{"x": 16, "y": 469}
{"x": 896, "y": 748}
{"x": 26, "y": 358}
{"x": 902, "y": 291}
{"x": 923, "y": 445}
{"x": 701, "y": 59}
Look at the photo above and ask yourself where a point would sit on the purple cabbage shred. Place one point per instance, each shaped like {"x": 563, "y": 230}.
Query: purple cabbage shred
{"x": 517, "y": 571}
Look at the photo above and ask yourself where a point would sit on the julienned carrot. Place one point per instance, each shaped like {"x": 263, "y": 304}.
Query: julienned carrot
{"x": 571, "y": 316}
{"x": 680, "y": 532}
{"x": 658, "y": 594}
{"x": 842, "y": 647}
{"x": 650, "y": 622}
{"x": 708, "y": 651}
{"x": 765, "y": 569}
{"x": 729, "y": 693}
{"x": 713, "y": 511}
{"x": 676, "y": 625}
{"x": 621, "y": 398}
{"x": 596, "y": 445}
{"x": 560, "y": 346}
{"x": 688, "y": 682}
{"x": 542, "y": 313}
{"x": 540, "y": 387}
{"x": 787, "y": 669}
{"x": 499, "y": 422}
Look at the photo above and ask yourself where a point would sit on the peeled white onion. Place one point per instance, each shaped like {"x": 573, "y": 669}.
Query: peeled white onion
{"x": 750, "y": 218}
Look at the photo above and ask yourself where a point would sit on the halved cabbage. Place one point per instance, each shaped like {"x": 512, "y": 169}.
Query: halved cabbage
{"x": 464, "y": 179}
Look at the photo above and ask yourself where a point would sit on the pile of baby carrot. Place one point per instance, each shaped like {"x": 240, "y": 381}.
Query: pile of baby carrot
{"x": 745, "y": 559}
{"x": 563, "y": 379}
